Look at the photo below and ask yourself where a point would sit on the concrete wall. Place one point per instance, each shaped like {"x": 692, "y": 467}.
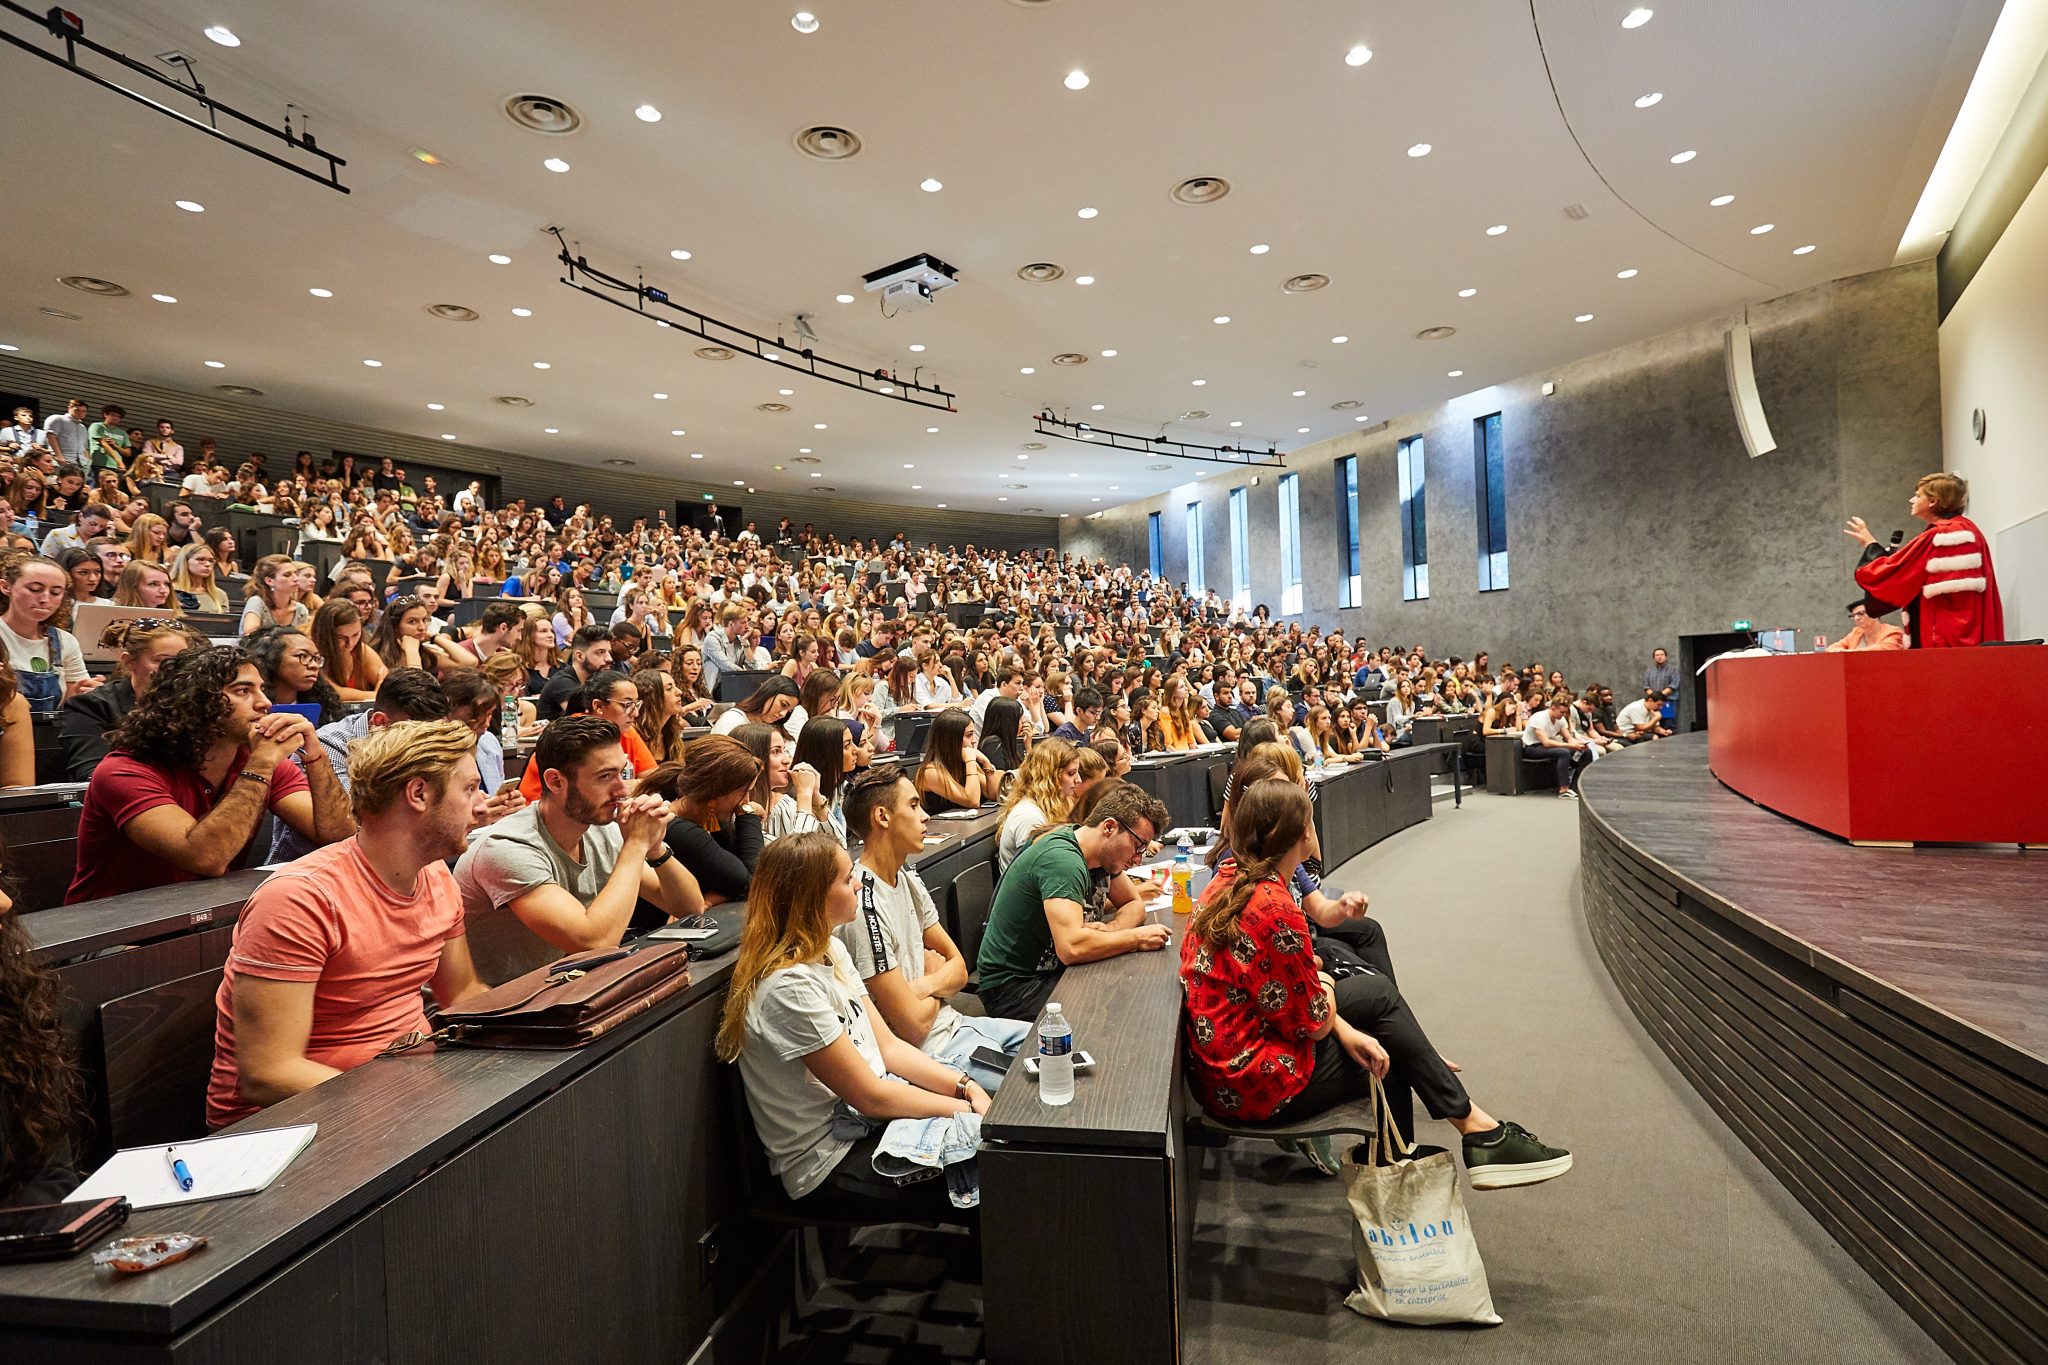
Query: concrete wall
{"x": 1634, "y": 514}
{"x": 244, "y": 426}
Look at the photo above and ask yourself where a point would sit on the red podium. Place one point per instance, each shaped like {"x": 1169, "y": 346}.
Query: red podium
{"x": 1881, "y": 746}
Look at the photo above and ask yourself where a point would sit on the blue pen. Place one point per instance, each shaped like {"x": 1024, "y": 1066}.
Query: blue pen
{"x": 179, "y": 1170}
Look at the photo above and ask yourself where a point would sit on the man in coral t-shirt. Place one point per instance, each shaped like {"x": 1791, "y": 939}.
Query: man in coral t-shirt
{"x": 330, "y": 953}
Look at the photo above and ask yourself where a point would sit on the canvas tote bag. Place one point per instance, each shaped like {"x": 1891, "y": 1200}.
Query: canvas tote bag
{"x": 1417, "y": 1260}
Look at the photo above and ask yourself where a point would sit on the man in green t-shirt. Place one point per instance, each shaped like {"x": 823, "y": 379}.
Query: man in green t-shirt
{"x": 1039, "y": 924}
{"x": 108, "y": 439}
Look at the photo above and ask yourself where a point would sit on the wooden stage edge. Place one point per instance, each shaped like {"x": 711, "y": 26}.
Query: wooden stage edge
{"x": 1872, "y": 1023}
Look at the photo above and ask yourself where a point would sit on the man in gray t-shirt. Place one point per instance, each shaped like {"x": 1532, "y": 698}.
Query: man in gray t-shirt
{"x": 562, "y": 875}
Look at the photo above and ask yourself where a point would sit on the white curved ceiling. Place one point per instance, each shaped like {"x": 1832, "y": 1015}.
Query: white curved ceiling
{"x": 1821, "y": 118}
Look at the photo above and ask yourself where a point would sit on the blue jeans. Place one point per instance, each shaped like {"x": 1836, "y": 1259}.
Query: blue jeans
{"x": 1004, "y": 1035}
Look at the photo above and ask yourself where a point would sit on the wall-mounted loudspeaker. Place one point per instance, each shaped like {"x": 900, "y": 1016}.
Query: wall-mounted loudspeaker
{"x": 1749, "y": 409}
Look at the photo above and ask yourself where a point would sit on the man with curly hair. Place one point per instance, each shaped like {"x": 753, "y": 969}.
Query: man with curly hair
{"x": 189, "y": 774}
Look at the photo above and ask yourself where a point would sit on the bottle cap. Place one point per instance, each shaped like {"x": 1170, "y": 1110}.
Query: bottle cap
{"x": 1053, "y": 1008}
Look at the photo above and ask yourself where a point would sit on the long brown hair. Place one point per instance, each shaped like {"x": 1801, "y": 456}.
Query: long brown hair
{"x": 1273, "y": 815}
{"x": 1261, "y": 761}
{"x": 787, "y": 923}
{"x": 37, "y": 1071}
{"x": 663, "y": 732}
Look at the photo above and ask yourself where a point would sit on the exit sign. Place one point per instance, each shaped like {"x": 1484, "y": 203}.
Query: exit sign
{"x": 1738, "y": 625}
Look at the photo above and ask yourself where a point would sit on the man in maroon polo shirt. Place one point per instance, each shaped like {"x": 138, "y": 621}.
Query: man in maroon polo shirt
{"x": 190, "y": 772}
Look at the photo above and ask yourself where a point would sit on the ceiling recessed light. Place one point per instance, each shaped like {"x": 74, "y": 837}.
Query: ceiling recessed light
{"x": 191, "y": 206}
{"x": 917, "y": 346}
{"x": 1299, "y": 393}
{"x": 918, "y": 488}
{"x": 556, "y": 164}
{"x": 803, "y": 21}
{"x": 647, "y": 113}
{"x": 1260, "y": 249}
{"x": 1497, "y": 229}
{"x": 739, "y": 483}
{"x": 374, "y": 364}
{"x": 679, "y": 254}
{"x": 660, "y": 396}
{"x": 1095, "y": 407}
{"x": 1361, "y": 418}
{"x": 1722, "y": 201}
{"x": 4, "y": 346}
{"x": 1339, "y": 340}
{"x": 1198, "y": 382}
{"x": 696, "y": 454}
{"x": 938, "y": 504}
{"x": 1802, "y": 250}
{"x": 1077, "y": 80}
{"x": 1681, "y": 158}
{"x": 1419, "y": 149}
{"x": 1220, "y": 319}
{"x": 817, "y": 426}
{"x": 216, "y": 364}
{"x": 1466, "y": 293}
{"x": 805, "y": 450}
{"x": 1645, "y": 101}
{"x": 551, "y": 431}
{"x": 542, "y": 365}
{"x": 771, "y": 355}
{"x": 1301, "y": 431}
{"x": 931, "y": 431}
{"x": 1237, "y": 424}
{"x": 1627, "y": 274}
{"x": 910, "y": 466}
{"x": 1095, "y": 499}
{"x": 447, "y": 435}
{"x": 786, "y": 393}
{"x": 1358, "y": 56}
{"x": 1583, "y": 317}
{"x": 222, "y": 34}
{"x": 817, "y": 474}
{"x": 498, "y": 258}
{"x": 1084, "y": 213}
{"x": 1109, "y": 355}
{"x": 1637, "y": 17}
{"x": 164, "y": 298}
{"x": 522, "y": 312}
{"x": 1084, "y": 279}
{"x": 845, "y": 298}
{"x": 1761, "y": 228}
{"x": 1457, "y": 374}
{"x": 1002, "y": 497}
{"x": 436, "y": 407}
{"x": 321, "y": 293}
{"x": 930, "y": 186}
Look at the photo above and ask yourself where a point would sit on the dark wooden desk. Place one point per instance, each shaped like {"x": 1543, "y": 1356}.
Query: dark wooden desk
{"x": 461, "y": 1205}
{"x": 1182, "y": 782}
{"x": 1359, "y": 804}
{"x": 1101, "y": 1189}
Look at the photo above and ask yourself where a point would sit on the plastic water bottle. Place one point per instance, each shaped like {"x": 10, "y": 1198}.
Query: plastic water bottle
{"x": 1055, "y": 1057}
{"x": 508, "y": 721}
{"x": 1183, "y": 872}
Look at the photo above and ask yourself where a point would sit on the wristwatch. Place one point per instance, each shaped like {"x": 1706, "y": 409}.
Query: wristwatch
{"x": 666, "y": 854}
{"x": 960, "y": 1086}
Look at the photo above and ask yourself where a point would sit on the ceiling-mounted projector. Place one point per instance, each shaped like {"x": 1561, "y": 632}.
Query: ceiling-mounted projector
{"x": 910, "y": 284}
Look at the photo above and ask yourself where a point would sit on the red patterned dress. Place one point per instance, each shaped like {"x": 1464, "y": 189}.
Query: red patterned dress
{"x": 1253, "y": 1006}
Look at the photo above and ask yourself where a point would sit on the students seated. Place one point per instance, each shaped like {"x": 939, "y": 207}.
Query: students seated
{"x": 608, "y": 695}
{"x": 290, "y": 664}
{"x": 49, "y": 667}
{"x": 563, "y": 874}
{"x": 1041, "y": 796}
{"x": 807, "y": 1040}
{"x": 1086, "y": 713}
{"x": 904, "y": 957}
{"x": 955, "y": 774}
{"x": 493, "y": 631}
{"x": 1272, "y": 1036}
{"x": 825, "y": 750}
{"x": 41, "y": 1101}
{"x": 769, "y": 704}
{"x": 330, "y": 953}
{"x": 1005, "y": 734}
{"x": 140, "y": 647}
{"x": 1642, "y": 719}
{"x": 788, "y": 794}
{"x": 1549, "y": 736}
{"x": 1040, "y": 922}
{"x": 715, "y": 824}
{"x": 189, "y": 774}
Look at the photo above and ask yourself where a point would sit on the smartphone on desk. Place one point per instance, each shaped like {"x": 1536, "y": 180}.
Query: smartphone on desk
{"x": 1082, "y": 1062}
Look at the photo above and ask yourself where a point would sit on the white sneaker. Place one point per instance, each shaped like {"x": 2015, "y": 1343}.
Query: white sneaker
{"x": 1567, "y": 795}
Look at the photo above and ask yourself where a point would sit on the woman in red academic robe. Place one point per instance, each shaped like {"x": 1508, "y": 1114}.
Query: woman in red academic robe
{"x": 1943, "y": 574}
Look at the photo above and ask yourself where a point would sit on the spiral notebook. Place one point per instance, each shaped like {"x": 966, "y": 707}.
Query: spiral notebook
{"x": 222, "y": 1167}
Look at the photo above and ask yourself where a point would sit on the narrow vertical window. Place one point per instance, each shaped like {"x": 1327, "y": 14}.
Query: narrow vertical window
{"x": 1490, "y": 483}
{"x": 1414, "y": 522}
{"x": 1195, "y": 583}
{"x": 1240, "y": 552}
{"x": 1350, "y": 587}
{"x": 1155, "y": 543}
{"x": 1290, "y": 544}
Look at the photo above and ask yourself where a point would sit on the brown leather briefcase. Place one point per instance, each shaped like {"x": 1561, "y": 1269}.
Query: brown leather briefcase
{"x": 565, "y": 1004}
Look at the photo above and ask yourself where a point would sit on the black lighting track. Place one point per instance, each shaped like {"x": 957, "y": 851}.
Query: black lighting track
{"x": 1049, "y": 425}
{"x": 882, "y": 383}
{"x": 74, "y": 40}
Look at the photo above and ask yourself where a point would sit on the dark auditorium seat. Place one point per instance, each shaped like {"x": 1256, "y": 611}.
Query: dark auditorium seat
{"x": 156, "y": 1052}
{"x": 973, "y": 896}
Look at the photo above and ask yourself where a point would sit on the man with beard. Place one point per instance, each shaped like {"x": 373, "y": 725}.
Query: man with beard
{"x": 562, "y": 875}
{"x": 330, "y": 953}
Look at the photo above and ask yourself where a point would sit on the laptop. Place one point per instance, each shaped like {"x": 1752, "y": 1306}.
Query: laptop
{"x": 1778, "y": 641}
{"x": 89, "y": 621}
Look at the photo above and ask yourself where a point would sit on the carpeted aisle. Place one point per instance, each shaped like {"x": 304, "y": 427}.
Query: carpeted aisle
{"x": 1668, "y": 1242}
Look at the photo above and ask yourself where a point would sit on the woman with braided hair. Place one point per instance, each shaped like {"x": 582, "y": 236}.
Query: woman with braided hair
{"x": 1271, "y": 1035}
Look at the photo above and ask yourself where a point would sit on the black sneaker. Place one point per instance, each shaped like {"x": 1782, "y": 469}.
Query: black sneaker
{"x": 1512, "y": 1155}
